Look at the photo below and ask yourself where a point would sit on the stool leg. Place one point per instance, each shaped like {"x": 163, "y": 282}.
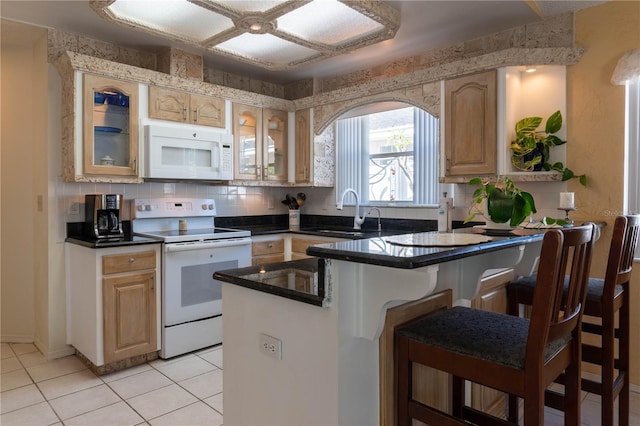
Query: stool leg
{"x": 457, "y": 397}
{"x": 513, "y": 308}
{"x": 403, "y": 381}
{"x": 623, "y": 360}
{"x": 572, "y": 391}
{"x": 608, "y": 372}
{"x": 513, "y": 409}
{"x": 534, "y": 408}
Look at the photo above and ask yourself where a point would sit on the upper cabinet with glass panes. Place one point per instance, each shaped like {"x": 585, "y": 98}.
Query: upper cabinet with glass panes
{"x": 110, "y": 128}
{"x": 260, "y": 139}
{"x": 101, "y": 129}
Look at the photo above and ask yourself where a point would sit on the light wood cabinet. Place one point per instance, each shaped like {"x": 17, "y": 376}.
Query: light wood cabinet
{"x": 303, "y": 146}
{"x": 110, "y": 127}
{"x": 470, "y": 136}
{"x": 299, "y": 246}
{"x": 129, "y": 308}
{"x": 267, "y": 249}
{"x": 182, "y": 107}
{"x": 283, "y": 247}
{"x": 492, "y": 296}
{"x": 113, "y": 310}
{"x": 260, "y": 140}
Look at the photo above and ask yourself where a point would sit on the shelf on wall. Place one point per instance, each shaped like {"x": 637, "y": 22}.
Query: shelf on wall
{"x": 516, "y": 177}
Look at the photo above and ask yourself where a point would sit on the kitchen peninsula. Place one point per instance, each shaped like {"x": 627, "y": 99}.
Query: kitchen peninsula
{"x": 299, "y": 363}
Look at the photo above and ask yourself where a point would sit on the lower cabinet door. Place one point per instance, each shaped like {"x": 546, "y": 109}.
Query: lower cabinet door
{"x": 129, "y": 306}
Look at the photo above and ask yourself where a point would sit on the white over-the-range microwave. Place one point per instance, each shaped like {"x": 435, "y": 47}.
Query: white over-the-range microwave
{"x": 187, "y": 153}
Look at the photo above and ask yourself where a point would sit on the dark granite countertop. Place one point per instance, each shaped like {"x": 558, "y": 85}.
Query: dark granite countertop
{"x": 301, "y": 280}
{"x": 117, "y": 242}
{"x": 76, "y": 235}
{"x": 341, "y": 226}
{"x": 379, "y": 251}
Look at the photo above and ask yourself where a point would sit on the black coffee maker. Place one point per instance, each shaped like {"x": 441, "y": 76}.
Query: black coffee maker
{"x": 102, "y": 215}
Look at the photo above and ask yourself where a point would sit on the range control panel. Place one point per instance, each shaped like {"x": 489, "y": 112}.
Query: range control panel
{"x": 147, "y": 208}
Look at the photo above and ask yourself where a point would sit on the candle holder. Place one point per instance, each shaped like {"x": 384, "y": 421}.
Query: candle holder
{"x": 566, "y": 214}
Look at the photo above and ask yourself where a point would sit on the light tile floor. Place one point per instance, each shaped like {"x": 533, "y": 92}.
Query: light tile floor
{"x": 186, "y": 390}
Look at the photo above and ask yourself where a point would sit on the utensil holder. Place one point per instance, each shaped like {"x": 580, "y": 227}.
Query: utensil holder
{"x": 294, "y": 220}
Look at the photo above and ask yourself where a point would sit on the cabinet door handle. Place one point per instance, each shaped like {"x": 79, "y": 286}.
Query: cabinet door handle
{"x": 153, "y": 283}
{"x": 184, "y": 113}
{"x": 195, "y": 115}
{"x": 305, "y": 173}
{"x": 265, "y": 174}
{"x": 135, "y": 166}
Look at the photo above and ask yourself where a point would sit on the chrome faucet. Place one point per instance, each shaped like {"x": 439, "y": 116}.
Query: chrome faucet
{"x": 378, "y": 210}
{"x": 357, "y": 220}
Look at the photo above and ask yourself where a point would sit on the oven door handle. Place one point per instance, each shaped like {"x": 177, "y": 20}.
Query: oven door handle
{"x": 198, "y": 245}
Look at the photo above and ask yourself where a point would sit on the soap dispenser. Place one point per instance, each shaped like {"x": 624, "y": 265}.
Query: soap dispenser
{"x": 445, "y": 213}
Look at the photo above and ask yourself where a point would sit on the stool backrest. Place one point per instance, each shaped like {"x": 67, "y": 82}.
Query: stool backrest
{"x": 624, "y": 241}
{"x": 554, "y": 316}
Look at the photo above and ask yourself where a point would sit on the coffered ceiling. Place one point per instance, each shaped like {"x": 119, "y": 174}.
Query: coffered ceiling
{"x": 285, "y": 40}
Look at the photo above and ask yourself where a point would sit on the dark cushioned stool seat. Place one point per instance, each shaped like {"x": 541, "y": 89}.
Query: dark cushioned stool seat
{"x": 491, "y": 336}
{"x": 595, "y": 286}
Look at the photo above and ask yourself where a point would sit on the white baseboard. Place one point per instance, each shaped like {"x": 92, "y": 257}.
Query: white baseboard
{"x": 44, "y": 350}
{"x": 59, "y": 353}
{"x": 16, "y": 338}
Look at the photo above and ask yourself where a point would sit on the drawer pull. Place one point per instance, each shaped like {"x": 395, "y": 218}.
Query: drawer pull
{"x": 270, "y": 245}
{"x": 132, "y": 259}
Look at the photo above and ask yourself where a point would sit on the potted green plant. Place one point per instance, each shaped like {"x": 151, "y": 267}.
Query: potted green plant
{"x": 530, "y": 149}
{"x": 504, "y": 203}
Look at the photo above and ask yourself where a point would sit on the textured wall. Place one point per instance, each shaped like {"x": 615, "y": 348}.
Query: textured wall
{"x": 596, "y": 128}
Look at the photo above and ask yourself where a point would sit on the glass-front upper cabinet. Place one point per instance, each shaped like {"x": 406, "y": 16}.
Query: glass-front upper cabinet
{"x": 275, "y": 150}
{"x": 247, "y": 130}
{"x": 110, "y": 109}
{"x": 260, "y": 138}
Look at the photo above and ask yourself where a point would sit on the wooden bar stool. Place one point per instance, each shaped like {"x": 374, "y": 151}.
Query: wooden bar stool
{"x": 605, "y": 298}
{"x": 505, "y": 352}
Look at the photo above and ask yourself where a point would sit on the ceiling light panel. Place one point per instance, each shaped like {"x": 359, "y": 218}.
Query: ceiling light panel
{"x": 266, "y": 49}
{"x": 340, "y": 23}
{"x": 272, "y": 34}
{"x": 172, "y": 17}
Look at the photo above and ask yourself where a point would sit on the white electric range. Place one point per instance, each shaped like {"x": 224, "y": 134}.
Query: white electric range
{"x": 193, "y": 249}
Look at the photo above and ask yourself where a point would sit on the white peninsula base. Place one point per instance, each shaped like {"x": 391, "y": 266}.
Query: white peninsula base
{"x": 328, "y": 373}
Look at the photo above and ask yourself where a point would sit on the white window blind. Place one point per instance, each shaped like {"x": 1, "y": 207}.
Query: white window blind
{"x": 426, "y": 137}
{"x": 362, "y": 168}
{"x": 632, "y": 166}
{"x": 633, "y": 145}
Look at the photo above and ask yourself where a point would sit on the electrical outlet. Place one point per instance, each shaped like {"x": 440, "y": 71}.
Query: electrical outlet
{"x": 271, "y": 346}
{"x": 74, "y": 208}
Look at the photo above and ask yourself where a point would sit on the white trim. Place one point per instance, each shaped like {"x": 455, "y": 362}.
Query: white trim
{"x": 632, "y": 149}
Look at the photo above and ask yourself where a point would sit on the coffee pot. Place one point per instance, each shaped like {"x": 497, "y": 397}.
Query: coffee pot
{"x": 102, "y": 216}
